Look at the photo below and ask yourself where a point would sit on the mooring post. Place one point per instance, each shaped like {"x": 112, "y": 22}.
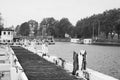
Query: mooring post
{"x": 84, "y": 63}
{"x": 80, "y": 61}
{"x": 75, "y": 62}
{"x": 82, "y": 72}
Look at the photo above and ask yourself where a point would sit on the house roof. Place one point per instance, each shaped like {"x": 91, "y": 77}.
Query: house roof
{"x": 7, "y": 29}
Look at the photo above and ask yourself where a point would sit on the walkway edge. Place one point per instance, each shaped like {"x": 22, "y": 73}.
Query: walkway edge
{"x": 23, "y": 75}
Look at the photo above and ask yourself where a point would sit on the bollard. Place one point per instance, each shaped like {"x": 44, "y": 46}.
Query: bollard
{"x": 80, "y": 59}
{"x": 43, "y": 54}
{"x": 62, "y": 64}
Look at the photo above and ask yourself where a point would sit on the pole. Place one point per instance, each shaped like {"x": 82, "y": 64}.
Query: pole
{"x": 98, "y": 28}
{"x": 93, "y": 31}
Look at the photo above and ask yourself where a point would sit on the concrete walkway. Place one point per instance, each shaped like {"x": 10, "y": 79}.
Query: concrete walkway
{"x": 37, "y": 68}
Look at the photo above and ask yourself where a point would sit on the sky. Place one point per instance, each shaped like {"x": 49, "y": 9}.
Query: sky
{"x": 15, "y": 12}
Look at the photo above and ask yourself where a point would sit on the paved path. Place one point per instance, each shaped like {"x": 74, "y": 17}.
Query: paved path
{"x": 37, "y": 68}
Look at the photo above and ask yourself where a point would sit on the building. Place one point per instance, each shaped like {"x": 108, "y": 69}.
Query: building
{"x": 6, "y": 36}
{"x": 87, "y": 41}
{"x": 75, "y": 40}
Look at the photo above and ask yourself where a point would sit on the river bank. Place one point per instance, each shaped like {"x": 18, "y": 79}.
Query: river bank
{"x": 62, "y": 39}
{"x": 97, "y": 58}
{"x": 104, "y": 59}
{"x": 106, "y": 43}
{"x": 98, "y": 42}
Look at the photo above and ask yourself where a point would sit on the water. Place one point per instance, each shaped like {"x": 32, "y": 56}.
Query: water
{"x": 105, "y": 59}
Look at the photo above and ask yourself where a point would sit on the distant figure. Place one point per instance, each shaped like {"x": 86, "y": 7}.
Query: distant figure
{"x": 44, "y": 48}
{"x": 15, "y": 60}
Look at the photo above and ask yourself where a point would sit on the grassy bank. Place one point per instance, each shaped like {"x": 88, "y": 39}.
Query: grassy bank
{"x": 62, "y": 39}
{"x": 107, "y": 42}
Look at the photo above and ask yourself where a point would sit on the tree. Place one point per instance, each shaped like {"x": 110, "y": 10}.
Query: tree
{"x": 17, "y": 29}
{"x": 104, "y": 22}
{"x": 56, "y": 29}
{"x": 64, "y": 26}
{"x": 111, "y": 17}
{"x": 49, "y": 24}
{"x": 24, "y": 29}
{"x": 84, "y": 28}
{"x": 117, "y": 28}
{"x": 33, "y": 25}
{"x": 1, "y": 24}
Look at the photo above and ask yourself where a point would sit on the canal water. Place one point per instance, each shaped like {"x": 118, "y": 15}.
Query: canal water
{"x": 105, "y": 59}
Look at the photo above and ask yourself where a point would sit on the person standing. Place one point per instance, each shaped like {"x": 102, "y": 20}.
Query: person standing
{"x": 44, "y": 48}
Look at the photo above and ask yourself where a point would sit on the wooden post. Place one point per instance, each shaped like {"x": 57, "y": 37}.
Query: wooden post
{"x": 75, "y": 62}
{"x": 80, "y": 61}
{"x": 81, "y": 72}
{"x": 83, "y": 53}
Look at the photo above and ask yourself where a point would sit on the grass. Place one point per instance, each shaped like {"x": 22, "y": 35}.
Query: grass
{"x": 37, "y": 68}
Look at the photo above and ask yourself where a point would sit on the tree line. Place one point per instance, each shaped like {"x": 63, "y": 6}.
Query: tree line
{"x": 49, "y": 26}
{"x": 107, "y": 22}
